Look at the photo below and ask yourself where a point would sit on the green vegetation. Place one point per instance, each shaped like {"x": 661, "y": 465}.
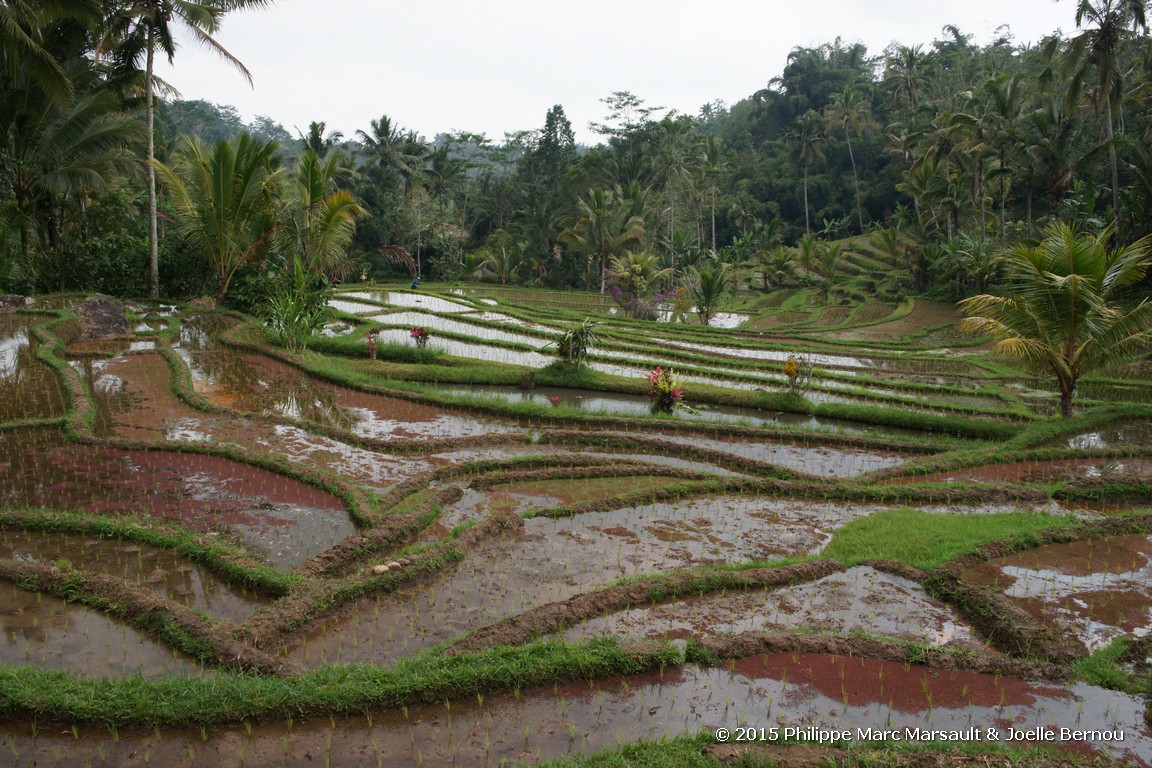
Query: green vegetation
{"x": 836, "y": 216}
{"x": 1061, "y": 314}
{"x": 926, "y": 540}
{"x": 228, "y": 697}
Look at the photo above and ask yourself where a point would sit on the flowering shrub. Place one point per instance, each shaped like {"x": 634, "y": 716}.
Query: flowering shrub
{"x": 420, "y": 335}
{"x": 371, "y": 338}
{"x": 798, "y": 372}
{"x": 665, "y": 390}
{"x": 556, "y": 400}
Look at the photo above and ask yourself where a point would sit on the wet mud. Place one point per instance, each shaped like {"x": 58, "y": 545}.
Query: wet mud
{"x": 166, "y": 572}
{"x": 29, "y": 389}
{"x": 796, "y": 690}
{"x": 283, "y": 520}
{"x": 860, "y": 600}
{"x": 554, "y": 559}
{"x": 45, "y": 632}
{"x": 1095, "y": 589}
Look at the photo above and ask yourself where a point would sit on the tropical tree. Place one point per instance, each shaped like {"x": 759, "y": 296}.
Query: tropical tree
{"x": 23, "y": 47}
{"x": 713, "y": 164}
{"x": 708, "y": 287}
{"x": 222, "y": 201}
{"x": 319, "y": 139}
{"x": 1094, "y": 61}
{"x": 394, "y": 149}
{"x": 827, "y": 265}
{"x": 606, "y": 225}
{"x": 777, "y": 265}
{"x": 316, "y": 220}
{"x": 1063, "y": 313}
{"x": 851, "y": 112}
{"x": 636, "y": 271}
{"x": 807, "y": 148}
{"x": 142, "y": 26}
{"x": 55, "y": 150}
{"x": 906, "y": 73}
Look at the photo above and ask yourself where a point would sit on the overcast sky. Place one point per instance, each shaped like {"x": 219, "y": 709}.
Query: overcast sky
{"x": 449, "y": 65}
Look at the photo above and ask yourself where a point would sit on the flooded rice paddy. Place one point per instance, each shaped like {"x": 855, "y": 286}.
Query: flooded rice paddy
{"x": 193, "y": 435}
{"x": 797, "y": 690}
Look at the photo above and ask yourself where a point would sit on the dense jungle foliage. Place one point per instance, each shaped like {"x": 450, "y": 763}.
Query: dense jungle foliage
{"x": 941, "y": 151}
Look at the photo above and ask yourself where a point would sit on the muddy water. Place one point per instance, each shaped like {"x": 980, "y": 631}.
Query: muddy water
{"x": 612, "y": 403}
{"x": 1097, "y": 589}
{"x": 1134, "y": 434}
{"x": 166, "y": 572}
{"x": 815, "y": 460}
{"x": 476, "y": 351}
{"x": 134, "y": 400}
{"x": 283, "y": 520}
{"x": 555, "y": 559}
{"x": 1082, "y": 472}
{"x": 412, "y": 300}
{"x": 450, "y": 325}
{"x": 249, "y": 382}
{"x": 29, "y": 389}
{"x": 47, "y": 633}
{"x": 858, "y": 600}
{"x": 785, "y": 691}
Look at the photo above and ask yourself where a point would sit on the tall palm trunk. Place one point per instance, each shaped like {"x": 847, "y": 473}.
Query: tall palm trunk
{"x": 856, "y": 178}
{"x": 713, "y": 216}
{"x": 153, "y": 235}
{"x": 1109, "y": 137}
{"x": 807, "y": 225}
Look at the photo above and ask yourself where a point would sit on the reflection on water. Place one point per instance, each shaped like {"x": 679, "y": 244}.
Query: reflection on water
{"x": 29, "y": 389}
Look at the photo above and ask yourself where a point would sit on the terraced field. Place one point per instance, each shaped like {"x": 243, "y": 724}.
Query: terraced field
{"x": 216, "y": 553}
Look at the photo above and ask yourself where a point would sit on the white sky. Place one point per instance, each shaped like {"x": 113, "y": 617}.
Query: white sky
{"x": 445, "y": 65}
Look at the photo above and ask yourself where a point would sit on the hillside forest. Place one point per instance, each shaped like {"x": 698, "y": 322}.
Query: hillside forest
{"x": 941, "y": 152}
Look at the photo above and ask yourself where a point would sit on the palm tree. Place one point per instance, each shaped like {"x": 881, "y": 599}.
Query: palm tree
{"x": 1004, "y": 94}
{"x": 222, "y": 201}
{"x": 777, "y": 265}
{"x": 635, "y": 272}
{"x": 907, "y": 73}
{"x": 827, "y": 264}
{"x": 22, "y": 48}
{"x": 851, "y": 112}
{"x": 56, "y": 149}
{"x": 392, "y": 148}
{"x": 606, "y": 226}
{"x": 707, "y": 288}
{"x": 317, "y": 220}
{"x": 807, "y": 139}
{"x": 317, "y": 141}
{"x": 143, "y": 26}
{"x": 1062, "y": 313}
{"x": 1094, "y": 54}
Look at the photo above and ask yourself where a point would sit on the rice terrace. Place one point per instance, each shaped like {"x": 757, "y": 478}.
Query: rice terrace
{"x": 220, "y": 553}
{"x": 810, "y": 430}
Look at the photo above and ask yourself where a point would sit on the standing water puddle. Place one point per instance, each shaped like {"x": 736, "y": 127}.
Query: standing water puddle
{"x": 858, "y": 600}
{"x": 29, "y": 389}
{"x": 166, "y": 572}
{"x": 1096, "y": 589}
{"x": 413, "y": 300}
{"x": 1134, "y": 434}
{"x": 815, "y": 460}
{"x": 283, "y": 519}
{"x": 554, "y": 559}
{"x": 48, "y": 633}
{"x": 249, "y": 382}
{"x": 796, "y": 690}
